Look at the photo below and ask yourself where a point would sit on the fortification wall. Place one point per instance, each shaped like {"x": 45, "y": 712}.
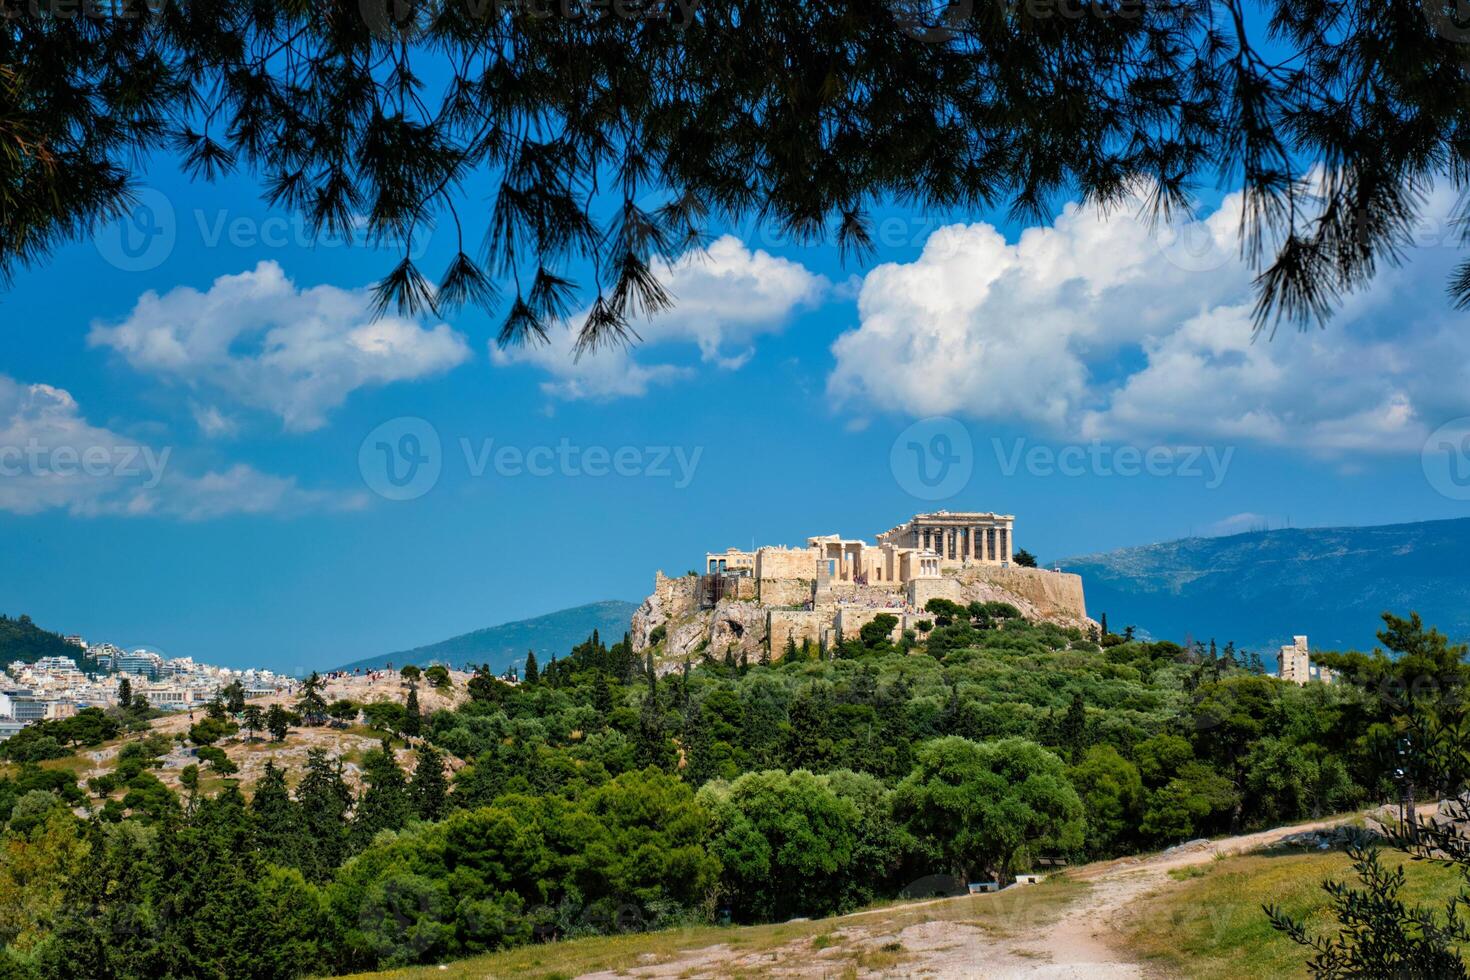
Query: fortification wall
{"x": 786, "y": 563}
{"x": 921, "y": 590}
{"x": 795, "y": 624}
{"x": 851, "y": 619}
{"x": 785, "y": 591}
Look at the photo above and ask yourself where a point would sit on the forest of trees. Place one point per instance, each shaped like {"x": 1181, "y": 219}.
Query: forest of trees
{"x": 601, "y": 797}
{"x": 21, "y": 639}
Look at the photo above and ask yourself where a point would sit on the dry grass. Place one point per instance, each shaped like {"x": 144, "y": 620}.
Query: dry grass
{"x": 1210, "y": 924}
{"x": 1003, "y": 913}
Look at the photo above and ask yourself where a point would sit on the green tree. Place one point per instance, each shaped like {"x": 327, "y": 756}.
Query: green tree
{"x": 533, "y": 672}
{"x": 124, "y": 692}
{"x": 278, "y": 831}
{"x": 278, "y": 722}
{"x": 412, "y": 721}
{"x": 323, "y": 801}
{"x": 876, "y": 632}
{"x": 234, "y": 695}
{"x": 430, "y": 787}
{"x": 342, "y": 711}
{"x": 312, "y": 706}
{"x": 385, "y": 803}
{"x": 985, "y": 806}
{"x": 207, "y": 731}
{"x": 1112, "y": 797}
{"x": 253, "y": 718}
{"x": 784, "y": 840}
{"x": 1024, "y": 558}
{"x": 1072, "y": 732}
{"x": 410, "y": 673}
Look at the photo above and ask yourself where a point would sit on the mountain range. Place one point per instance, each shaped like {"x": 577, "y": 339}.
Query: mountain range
{"x": 506, "y": 644}
{"x": 1261, "y": 588}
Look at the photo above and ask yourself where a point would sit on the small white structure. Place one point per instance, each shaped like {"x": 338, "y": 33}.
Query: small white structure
{"x": 981, "y": 887}
{"x": 1030, "y": 879}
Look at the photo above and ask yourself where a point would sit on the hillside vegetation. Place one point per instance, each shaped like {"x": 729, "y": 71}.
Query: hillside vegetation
{"x": 21, "y": 639}
{"x": 599, "y": 798}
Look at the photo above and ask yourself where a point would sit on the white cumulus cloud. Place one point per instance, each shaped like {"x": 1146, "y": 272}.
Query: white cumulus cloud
{"x": 261, "y": 340}
{"x": 1099, "y": 327}
{"x": 725, "y": 298}
{"x": 53, "y": 458}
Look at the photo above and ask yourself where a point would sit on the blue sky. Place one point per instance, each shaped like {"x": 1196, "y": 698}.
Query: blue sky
{"x": 779, "y": 400}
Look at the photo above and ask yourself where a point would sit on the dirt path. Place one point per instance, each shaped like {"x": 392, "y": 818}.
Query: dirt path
{"x": 1010, "y": 935}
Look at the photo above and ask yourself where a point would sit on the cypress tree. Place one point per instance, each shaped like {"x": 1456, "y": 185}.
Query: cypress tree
{"x": 430, "y": 788}
{"x": 385, "y": 803}
{"x": 323, "y": 800}
{"x": 277, "y": 822}
{"x": 413, "y": 722}
{"x": 533, "y": 672}
{"x": 1073, "y": 730}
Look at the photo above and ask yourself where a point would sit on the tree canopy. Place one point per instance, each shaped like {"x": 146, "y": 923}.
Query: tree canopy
{"x": 603, "y": 138}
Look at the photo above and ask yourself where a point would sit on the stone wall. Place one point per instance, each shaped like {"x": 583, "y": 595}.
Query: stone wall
{"x": 785, "y": 591}
{"x": 797, "y": 624}
{"x": 851, "y": 619}
{"x": 921, "y": 590}
{"x": 778, "y": 563}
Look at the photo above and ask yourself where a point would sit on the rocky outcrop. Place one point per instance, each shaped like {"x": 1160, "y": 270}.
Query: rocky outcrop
{"x": 671, "y": 622}
{"x": 673, "y": 601}
{"x": 1041, "y": 595}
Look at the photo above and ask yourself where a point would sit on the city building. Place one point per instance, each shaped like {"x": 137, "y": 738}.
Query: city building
{"x": 140, "y": 663}
{"x": 1294, "y": 663}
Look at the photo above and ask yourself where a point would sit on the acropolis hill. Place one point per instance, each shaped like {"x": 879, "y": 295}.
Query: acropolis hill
{"x": 752, "y": 601}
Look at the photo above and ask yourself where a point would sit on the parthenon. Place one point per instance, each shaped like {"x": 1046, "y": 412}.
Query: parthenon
{"x": 921, "y": 547}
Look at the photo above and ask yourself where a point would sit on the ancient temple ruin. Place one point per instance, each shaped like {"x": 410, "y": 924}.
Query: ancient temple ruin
{"x": 833, "y": 585}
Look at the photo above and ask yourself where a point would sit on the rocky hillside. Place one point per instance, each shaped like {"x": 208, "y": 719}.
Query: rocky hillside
{"x": 1259, "y": 589}
{"x": 506, "y": 644}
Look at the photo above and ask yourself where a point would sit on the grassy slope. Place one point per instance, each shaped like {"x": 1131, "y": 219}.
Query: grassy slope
{"x": 1210, "y": 924}
{"x": 997, "y": 913}
{"x": 1207, "y": 923}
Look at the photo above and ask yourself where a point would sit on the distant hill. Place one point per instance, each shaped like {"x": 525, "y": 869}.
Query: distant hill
{"x": 1260, "y": 588}
{"x": 500, "y": 646}
{"x": 21, "y": 639}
